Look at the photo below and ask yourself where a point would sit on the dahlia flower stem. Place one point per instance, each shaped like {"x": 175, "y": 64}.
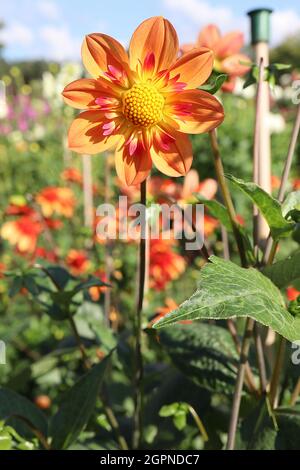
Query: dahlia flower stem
{"x": 103, "y": 394}
{"x": 277, "y": 371}
{"x": 239, "y": 384}
{"x": 226, "y": 195}
{"x": 139, "y": 366}
{"x": 108, "y": 245}
{"x": 295, "y": 394}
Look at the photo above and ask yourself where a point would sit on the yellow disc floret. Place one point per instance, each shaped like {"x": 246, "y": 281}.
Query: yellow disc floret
{"x": 143, "y": 105}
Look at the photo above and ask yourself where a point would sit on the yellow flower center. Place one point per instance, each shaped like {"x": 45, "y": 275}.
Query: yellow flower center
{"x": 143, "y": 105}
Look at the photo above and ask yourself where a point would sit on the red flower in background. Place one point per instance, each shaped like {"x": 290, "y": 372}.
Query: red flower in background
{"x": 78, "y": 262}
{"x": 292, "y": 293}
{"x": 227, "y": 56}
{"x": 72, "y": 175}
{"x": 54, "y": 200}
{"x": 165, "y": 264}
{"x": 22, "y": 233}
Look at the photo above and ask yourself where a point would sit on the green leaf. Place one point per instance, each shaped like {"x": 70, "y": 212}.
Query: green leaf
{"x": 217, "y": 210}
{"x": 215, "y": 85}
{"x": 77, "y": 407}
{"x": 226, "y": 290}
{"x": 284, "y": 272}
{"x": 204, "y": 353}
{"x": 268, "y": 206}
{"x": 59, "y": 276}
{"x": 291, "y": 204}
{"x": 13, "y": 405}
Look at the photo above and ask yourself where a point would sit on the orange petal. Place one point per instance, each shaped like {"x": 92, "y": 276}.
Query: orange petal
{"x": 195, "y": 111}
{"x": 133, "y": 168}
{"x": 100, "y": 51}
{"x": 156, "y": 36}
{"x": 86, "y": 133}
{"x": 190, "y": 184}
{"x": 194, "y": 67}
{"x": 233, "y": 65}
{"x": 229, "y": 44}
{"x": 81, "y": 94}
{"x": 209, "y": 36}
{"x": 177, "y": 160}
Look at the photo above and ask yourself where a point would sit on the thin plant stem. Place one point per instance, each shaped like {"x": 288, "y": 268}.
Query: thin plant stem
{"x": 239, "y": 384}
{"x": 277, "y": 371}
{"x": 260, "y": 359}
{"x": 249, "y": 378}
{"x": 295, "y": 394}
{"x": 285, "y": 174}
{"x": 108, "y": 246}
{"x": 139, "y": 363}
{"x": 107, "y": 409}
{"x": 199, "y": 423}
{"x": 226, "y": 195}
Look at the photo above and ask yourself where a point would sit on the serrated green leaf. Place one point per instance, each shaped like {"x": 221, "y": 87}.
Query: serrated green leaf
{"x": 226, "y": 290}
{"x": 284, "y": 272}
{"x": 204, "y": 353}
{"x": 268, "y": 206}
{"x": 77, "y": 407}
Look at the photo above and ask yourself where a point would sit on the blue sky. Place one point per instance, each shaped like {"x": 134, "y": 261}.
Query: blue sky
{"x": 53, "y": 29}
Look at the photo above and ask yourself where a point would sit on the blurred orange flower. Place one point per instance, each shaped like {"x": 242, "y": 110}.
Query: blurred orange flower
{"x": 22, "y": 233}
{"x": 72, "y": 175}
{"x": 296, "y": 184}
{"x": 292, "y": 293}
{"x": 96, "y": 291}
{"x": 228, "y": 58}
{"x": 144, "y": 104}
{"x": 78, "y": 262}
{"x": 54, "y": 200}
{"x": 165, "y": 264}
{"x": 170, "y": 305}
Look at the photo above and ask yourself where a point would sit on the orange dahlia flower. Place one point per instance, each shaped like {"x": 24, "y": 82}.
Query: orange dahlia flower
{"x": 143, "y": 103}
{"x": 228, "y": 58}
{"x": 23, "y": 233}
{"x": 165, "y": 264}
{"x": 78, "y": 262}
{"x": 55, "y": 200}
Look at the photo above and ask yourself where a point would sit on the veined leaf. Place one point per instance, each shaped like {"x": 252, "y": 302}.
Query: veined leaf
{"x": 77, "y": 407}
{"x": 268, "y": 206}
{"x": 226, "y": 290}
{"x": 204, "y": 353}
{"x": 284, "y": 272}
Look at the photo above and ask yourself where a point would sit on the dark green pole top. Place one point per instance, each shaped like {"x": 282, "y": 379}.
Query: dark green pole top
{"x": 260, "y": 25}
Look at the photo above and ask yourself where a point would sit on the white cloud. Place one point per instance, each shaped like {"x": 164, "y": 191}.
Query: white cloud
{"x": 16, "y": 33}
{"x": 202, "y": 12}
{"x": 59, "y": 44}
{"x": 48, "y": 9}
{"x": 284, "y": 23}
